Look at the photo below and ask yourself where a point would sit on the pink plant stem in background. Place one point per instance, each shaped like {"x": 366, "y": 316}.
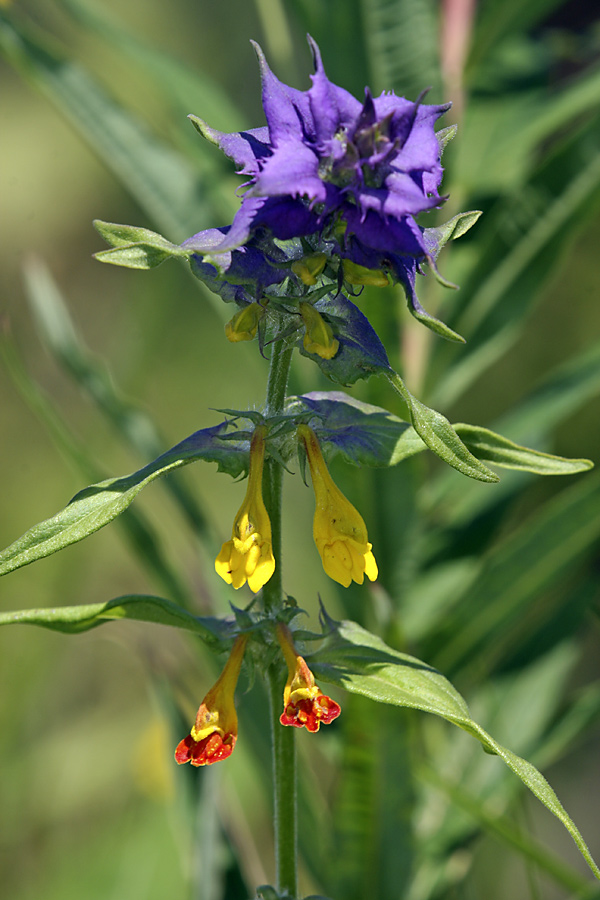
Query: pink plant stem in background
{"x": 455, "y": 38}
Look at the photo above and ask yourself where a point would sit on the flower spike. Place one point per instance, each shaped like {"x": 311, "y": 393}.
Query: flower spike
{"x": 304, "y": 704}
{"x": 338, "y": 528}
{"x": 214, "y": 733}
{"x": 248, "y": 556}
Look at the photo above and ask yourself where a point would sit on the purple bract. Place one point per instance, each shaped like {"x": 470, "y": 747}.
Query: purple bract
{"x": 328, "y": 165}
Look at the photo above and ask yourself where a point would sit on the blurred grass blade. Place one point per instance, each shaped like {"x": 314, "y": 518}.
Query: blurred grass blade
{"x": 499, "y": 18}
{"x": 360, "y": 662}
{"x": 144, "y": 608}
{"x": 503, "y": 297}
{"x": 489, "y": 158}
{"x": 506, "y": 831}
{"x": 134, "y": 523}
{"x": 402, "y": 46}
{"x": 58, "y": 334}
{"x": 558, "y": 396}
{"x": 99, "y": 504}
{"x": 190, "y": 90}
{"x": 531, "y": 560}
{"x": 161, "y": 180}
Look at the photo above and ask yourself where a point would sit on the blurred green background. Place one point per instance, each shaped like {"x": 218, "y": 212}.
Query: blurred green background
{"x": 91, "y": 805}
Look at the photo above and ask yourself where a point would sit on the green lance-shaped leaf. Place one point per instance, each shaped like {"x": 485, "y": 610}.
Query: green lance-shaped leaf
{"x": 494, "y": 448}
{"x": 439, "y": 435}
{"x": 360, "y": 662}
{"x": 367, "y": 435}
{"x": 99, "y": 504}
{"x": 135, "y": 248}
{"x": 144, "y": 608}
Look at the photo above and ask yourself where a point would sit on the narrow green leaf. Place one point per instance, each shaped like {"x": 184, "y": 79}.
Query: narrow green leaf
{"x": 361, "y": 663}
{"x": 437, "y": 432}
{"x": 123, "y": 235}
{"x": 494, "y": 448}
{"x": 99, "y": 504}
{"x": 144, "y": 608}
{"x": 136, "y": 256}
{"x": 135, "y": 248}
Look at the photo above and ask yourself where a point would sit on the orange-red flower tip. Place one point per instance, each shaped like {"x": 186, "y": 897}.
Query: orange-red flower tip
{"x": 214, "y": 733}
{"x": 311, "y": 714}
{"x": 209, "y": 750}
{"x": 304, "y": 703}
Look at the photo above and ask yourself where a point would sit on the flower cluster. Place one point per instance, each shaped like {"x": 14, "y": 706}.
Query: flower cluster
{"x": 214, "y": 733}
{"x": 334, "y": 186}
{"x": 356, "y": 173}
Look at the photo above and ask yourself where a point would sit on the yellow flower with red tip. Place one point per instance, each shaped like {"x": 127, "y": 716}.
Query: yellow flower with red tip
{"x": 214, "y": 732}
{"x": 338, "y": 528}
{"x": 248, "y": 556}
{"x": 304, "y": 704}
{"x": 319, "y": 337}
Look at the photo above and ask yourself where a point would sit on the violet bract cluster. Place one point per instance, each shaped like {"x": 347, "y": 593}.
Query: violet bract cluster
{"x": 347, "y": 176}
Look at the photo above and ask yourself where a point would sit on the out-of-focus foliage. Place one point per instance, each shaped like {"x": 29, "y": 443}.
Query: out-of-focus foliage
{"x": 495, "y": 585}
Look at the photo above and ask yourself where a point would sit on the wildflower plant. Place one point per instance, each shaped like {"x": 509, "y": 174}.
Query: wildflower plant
{"x": 337, "y": 195}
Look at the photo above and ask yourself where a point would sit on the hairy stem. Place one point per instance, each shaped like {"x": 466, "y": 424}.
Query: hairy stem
{"x": 284, "y": 750}
{"x": 284, "y": 777}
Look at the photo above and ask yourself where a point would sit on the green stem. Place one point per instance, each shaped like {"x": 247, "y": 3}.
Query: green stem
{"x": 273, "y": 472}
{"x": 284, "y": 749}
{"x": 284, "y": 782}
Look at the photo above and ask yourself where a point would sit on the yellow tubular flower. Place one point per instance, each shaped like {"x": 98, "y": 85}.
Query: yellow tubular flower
{"x": 248, "y": 556}
{"x": 319, "y": 337}
{"x": 309, "y": 267}
{"x": 244, "y": 325}
{"x": 338, "y": 528}
{"x": 355, "y": 274}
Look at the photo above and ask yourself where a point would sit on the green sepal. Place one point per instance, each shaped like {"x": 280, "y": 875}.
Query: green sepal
{"x": 445, "y": 135}
{"x": 451, "y": 230}
{"x": 135, "y": 248}
{"x": 144, "y": 608}
{"x": 99, "y": 504}
{"x": 499, "y": 451}
{"x": 438, "y": 434}
{"x": 436, "y": 325}
{"x": 360, "y": 662}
